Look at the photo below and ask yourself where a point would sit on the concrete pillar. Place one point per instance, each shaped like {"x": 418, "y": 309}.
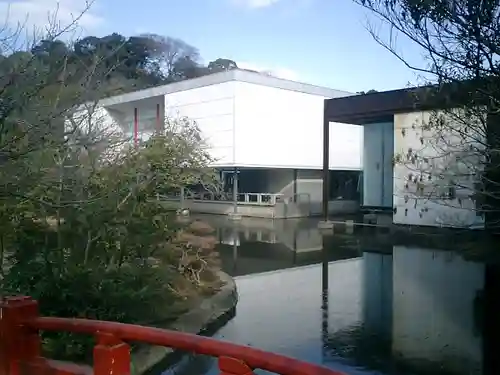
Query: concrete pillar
{"x": 182, "y": 198}
{"x": 235, "y": 191}
{"x": 235, "y": 248}
{"x": 294, "y": 191}
{"x": 136, "y": 127}
{"x": 325, "y": 313}
{"x": 349, "y": 226}
{"x": 326, "y": 162}
{"x": 158, "y": 119}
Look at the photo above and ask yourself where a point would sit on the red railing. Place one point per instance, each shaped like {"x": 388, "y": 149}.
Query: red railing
{"x": 20, "y": 346}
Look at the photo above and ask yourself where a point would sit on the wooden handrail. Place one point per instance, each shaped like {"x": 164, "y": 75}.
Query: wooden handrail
{"x": 20, "y": 323}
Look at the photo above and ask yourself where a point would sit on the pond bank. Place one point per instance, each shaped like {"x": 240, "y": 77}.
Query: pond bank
{"x": 211, "y": 311}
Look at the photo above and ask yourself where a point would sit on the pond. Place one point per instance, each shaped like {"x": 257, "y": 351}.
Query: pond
{"x": 355, "y": 303}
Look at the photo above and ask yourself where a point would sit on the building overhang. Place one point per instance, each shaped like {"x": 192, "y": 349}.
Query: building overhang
{"x": 233, "y": 75}
{"x": 363, "y": 109}
{"x": 149, "y": 104}
{"x": 378, "y": 107}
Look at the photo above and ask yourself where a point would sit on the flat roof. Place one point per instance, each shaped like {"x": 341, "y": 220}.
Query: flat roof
{"x": 377, "y": 106}
{"x": 382, "y": 106}
{"x": 227, "y": 76}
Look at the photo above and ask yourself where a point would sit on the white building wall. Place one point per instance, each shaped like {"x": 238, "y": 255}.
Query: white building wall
{"x": 212, "y": 108}
{"x": 413, "y": 208}
{"x": 279, "y": 128}
{"x": 309, "y": 183}
{"x": 147, "y": 122}
{"x": 91, "y": 119}
{"x": 95, "y": 125}
{"x": 247, "y": 124}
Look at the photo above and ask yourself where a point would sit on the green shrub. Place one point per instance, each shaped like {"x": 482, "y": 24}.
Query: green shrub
{"x": 96, "y": 244}
{"x": 138, "y": 294}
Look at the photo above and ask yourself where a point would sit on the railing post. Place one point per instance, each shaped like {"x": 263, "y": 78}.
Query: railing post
{"x": 18, "y": 346}
{"x": 233, "y": 366}
{"x": 111, "y": 356}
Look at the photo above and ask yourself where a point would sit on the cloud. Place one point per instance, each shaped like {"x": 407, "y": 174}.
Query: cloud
{"x": 41, "y": 14}
{"x": 255, "y": 4}
{"x": 260, "y": 4}
{"x": 279, "y": 72}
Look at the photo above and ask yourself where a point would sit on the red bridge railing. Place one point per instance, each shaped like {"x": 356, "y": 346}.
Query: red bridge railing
{"x": 20, "y": 346}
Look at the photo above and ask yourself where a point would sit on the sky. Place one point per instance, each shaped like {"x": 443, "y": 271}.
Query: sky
{"x": 322, "y": 42}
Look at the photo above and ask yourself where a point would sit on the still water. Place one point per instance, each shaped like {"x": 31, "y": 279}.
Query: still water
{"x": 355, "y": 303}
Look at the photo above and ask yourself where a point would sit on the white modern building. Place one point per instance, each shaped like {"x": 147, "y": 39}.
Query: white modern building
{"x": 265, "y": 131}
{"x": 419, "y": 173}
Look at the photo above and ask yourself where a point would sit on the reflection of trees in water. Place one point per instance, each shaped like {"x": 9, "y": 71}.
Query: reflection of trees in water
{"x": 359, "y": 347}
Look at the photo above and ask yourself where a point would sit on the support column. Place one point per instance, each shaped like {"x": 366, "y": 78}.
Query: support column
{"x": 182, "y": 198}
{"x": 487, "y": 310}
{"x": 235, "y": 247}
{"x": 234, "y": 215}
{"x": 294, "y": 188}
{"x": 136, "y": 127}
{"x": 158, "y": 120}
{"x": 326, "y": 161}
{"x": 235, "y": 191}
{"x": 325, "y": 313}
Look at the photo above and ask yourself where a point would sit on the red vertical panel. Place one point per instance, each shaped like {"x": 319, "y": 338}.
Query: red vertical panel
{"x": 18, "y": 346}
{"x": 136, "y": 127}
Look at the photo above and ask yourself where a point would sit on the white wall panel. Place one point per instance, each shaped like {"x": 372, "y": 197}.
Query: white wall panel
{"x": 413, "y": 208}
{"x": 247, "y": 124}
{"x": 211, "y": 107}
{"x": 284, "y": 129}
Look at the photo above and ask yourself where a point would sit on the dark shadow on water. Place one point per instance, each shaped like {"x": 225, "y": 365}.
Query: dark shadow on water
{"x": 361, "y": 303}
{"x": 180, "y": 361}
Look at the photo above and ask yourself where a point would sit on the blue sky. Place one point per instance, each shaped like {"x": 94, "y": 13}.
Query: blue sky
{"x": 323, "y": 42}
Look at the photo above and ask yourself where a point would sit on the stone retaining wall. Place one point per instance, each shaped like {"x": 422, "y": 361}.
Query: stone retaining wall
{"x": 148, "y": 359}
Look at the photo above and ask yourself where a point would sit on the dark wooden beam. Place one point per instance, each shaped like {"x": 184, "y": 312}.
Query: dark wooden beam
{"x": 381, "y": 106}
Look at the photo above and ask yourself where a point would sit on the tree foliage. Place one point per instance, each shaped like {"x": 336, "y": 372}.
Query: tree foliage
{"x": 82, "y": 231}
{"x": 455, "y": 161}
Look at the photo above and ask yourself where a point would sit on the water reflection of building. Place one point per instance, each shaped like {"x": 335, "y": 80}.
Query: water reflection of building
{"x": 377, "y": 293}
{"x": 365, "y": 342}
{"x": 255, "y": 245}
{"x": 410, "y": 311}
{"x": 434, "y": 295}
{"x": 280, "y": 310}
{"x": 294, "y": 234}
{"x": 422, "y": 312}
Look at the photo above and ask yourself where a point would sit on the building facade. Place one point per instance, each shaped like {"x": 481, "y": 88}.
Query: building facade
{"x": 422, "y": 171}
{"x": 264, "y": 133}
